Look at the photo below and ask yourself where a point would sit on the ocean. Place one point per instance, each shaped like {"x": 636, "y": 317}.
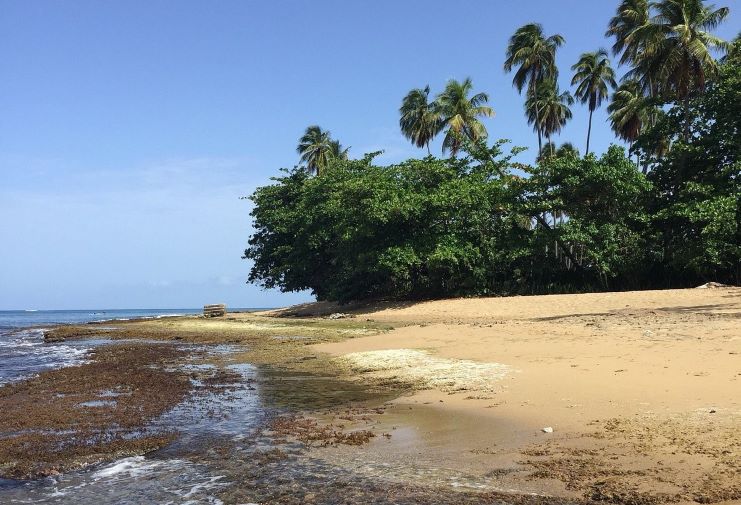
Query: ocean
{"x": 24, "y": 353}
{"x": 163, "y": 477}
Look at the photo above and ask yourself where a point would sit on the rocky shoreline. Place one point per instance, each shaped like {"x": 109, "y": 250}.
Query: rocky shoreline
{"x": 439, "y": 402}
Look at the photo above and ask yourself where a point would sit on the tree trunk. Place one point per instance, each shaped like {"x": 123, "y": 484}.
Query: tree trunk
{"x": 589, "y": 130}
{"x": 687, "y": 119}
{"x": 545, "y": 224}
{"x": 428, "y": 148}
{"x": 537, "y": 112}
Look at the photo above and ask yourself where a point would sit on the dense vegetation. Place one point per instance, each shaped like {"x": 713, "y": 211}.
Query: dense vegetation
{"x": 664, "y": 214}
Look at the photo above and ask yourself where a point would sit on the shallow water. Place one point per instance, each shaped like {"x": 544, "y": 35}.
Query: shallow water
{"x": 206, "y": 418}
{"x": 220, "y": 454}
{"x": 23, "y": 352}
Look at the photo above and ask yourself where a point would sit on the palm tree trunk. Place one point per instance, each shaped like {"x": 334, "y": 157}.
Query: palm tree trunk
{"x": 589, "y": 130}
{"x": 537, "y": 112}
{"x": 428, "y": 148}
{"x": 687, "y": 119}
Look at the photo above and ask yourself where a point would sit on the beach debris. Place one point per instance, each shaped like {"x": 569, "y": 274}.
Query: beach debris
{"x": 215, "y": 310}
{"x": 339, "y": 315}
{"x": 426, "y": 371}
{"x": 547, "y": 429}
{"x": 712, "y": 285}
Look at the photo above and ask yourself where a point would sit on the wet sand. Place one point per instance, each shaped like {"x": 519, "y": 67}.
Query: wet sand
{"x": 642, "y": 390}
{"x": 445, "y": 401}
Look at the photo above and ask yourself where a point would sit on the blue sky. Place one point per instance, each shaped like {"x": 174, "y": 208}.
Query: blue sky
{"x": 129, "y": 130}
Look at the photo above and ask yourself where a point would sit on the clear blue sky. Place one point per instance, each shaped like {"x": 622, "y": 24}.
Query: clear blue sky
{"x": 128, "y": 130}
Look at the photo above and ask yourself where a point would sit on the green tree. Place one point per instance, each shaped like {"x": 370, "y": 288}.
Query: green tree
{"x": 696, "y": 204}
{"x": 605, "y": 200}
{"x": 685, "y": 50}
{"x": 534, "y": 55}
{"x": 317, "y": 149}
{"x": 459, "y": 113}
{"x": 592, "y": 76}
{"x": 549, "y": 149}
{"x": 568, "y": 149}
{"x": 419, "y": 119}
{"x": 629, "y": 111}
{"x": 631, "y": 27}
{"x": 549, "y": 112}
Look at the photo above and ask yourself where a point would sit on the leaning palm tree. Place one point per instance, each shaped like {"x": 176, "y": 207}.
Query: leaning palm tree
{"x": 460, "y": 113}
{"x": 534, "y": 55}
{"x": 317, "y": 149}
{"x": 592, "y": 76}
{"x": 686, "y": 48}
{"x": 418, "y": 117}
{"x": 549, "y": 111}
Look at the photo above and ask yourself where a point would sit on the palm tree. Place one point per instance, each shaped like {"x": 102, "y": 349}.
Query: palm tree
{"x": 551, "y": 151}
{"x": 419, "y": 120}
{"x": 535, "y": 56}
{"x": 317, "y": 149}
{"x": 567, "y": 149}
{"x": 630, "y": 27}
{"x": 549, "y": 111}
{"x": 628, "y": 111}
{"x": 338, "y": 151}
{"x": 685, "y": 51}
{"x": 460, "y": 114}
{"x": 547, "y": 151}
{"x": 592, "y": 76}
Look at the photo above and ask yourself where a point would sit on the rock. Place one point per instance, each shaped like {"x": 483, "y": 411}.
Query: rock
{"x": 711, "y": 285}
{"x": 339, "y": 315}
{"x": 51, "y": 337}
{"x": 547, "y": 429}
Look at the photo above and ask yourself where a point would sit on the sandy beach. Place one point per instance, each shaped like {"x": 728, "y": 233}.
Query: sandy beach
{"x": 641, "y": 390}
{"x": 613, "y": 397}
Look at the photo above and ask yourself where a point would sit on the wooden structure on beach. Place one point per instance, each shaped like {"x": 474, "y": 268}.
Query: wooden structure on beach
{"x": 216, "y": 310}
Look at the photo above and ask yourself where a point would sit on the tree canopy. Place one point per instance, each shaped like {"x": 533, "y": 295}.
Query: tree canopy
{"x": 480, "y": 223}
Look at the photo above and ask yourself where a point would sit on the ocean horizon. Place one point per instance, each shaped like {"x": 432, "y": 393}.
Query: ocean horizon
{"x": 25, "y": 318}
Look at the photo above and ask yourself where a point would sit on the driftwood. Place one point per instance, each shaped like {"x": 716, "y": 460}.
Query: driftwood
{"x": 216, "y": 310}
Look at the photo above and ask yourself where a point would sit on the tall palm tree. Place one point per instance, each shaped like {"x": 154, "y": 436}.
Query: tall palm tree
{"x": 685, "y": 51}
{"x": 534, "y": 55}
{"x": 549, "y": 110}
{"x": 460, "y": 113}
{"x": 317, "y": 149}
{"x": 630, "y": 27}
{"x": 592, "y": 76}
{"x": 418, "y": 117}
{"x": 636, "y": 40}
